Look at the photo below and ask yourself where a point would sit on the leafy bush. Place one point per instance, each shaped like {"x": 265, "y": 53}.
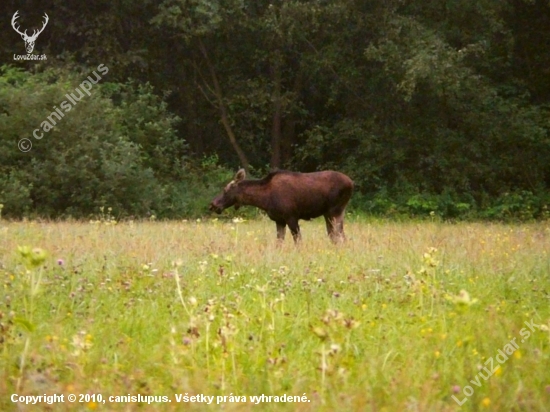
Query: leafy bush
{"x": 191, "y": 196}
{"x": 446, "y": 205}
{"x": 521, "y": 205}
{"x": 14, "y": 195}
{"x": 100, "y": 153}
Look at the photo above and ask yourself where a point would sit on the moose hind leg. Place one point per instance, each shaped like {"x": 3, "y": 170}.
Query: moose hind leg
{"x": 330, "y": 227}
{"x": 336, "y": 222}
{"x": 339, "y": 222}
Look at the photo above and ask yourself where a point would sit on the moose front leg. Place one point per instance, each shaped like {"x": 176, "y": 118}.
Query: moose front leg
{"x": 281, "y": 228}
{"x": 294, "y": 229}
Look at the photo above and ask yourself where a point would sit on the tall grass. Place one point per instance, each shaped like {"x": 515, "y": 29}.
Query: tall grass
{"x": 401, "y": 317}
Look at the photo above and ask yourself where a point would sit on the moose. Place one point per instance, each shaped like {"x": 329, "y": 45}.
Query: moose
{"x": 29, "y": 40}
{"x": 287, "y": 197}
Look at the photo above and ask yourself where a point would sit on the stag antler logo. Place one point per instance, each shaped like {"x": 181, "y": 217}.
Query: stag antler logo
{"x": 29, "y": 40}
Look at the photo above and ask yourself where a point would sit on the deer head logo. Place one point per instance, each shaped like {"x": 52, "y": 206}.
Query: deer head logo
{"x": 29, "y": 40}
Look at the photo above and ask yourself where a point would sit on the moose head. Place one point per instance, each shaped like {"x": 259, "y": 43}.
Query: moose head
{"x": 229, "y": 196}
{"x": 29, "y": 40}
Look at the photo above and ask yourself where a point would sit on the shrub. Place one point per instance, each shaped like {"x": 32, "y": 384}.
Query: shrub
{"x": 101, "y": 152}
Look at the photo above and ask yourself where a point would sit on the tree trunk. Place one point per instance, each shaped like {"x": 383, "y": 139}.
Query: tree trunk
{"x": 276, "y": 130}
{"x": 224, "y": 116}
{"x": 289, "y": 123}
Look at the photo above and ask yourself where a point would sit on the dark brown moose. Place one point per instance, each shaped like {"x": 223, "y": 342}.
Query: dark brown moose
{"x": 287, "y": 197}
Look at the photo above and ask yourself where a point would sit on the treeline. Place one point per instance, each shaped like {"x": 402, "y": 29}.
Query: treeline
{"x": 432, "y": 107}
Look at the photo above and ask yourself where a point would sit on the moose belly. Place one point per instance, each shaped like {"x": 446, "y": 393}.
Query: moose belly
{"x": 284, "y": 217}
{"x": 300, "y": 209}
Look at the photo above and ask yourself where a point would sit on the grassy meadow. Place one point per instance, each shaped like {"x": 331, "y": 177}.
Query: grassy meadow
{"x": 403, "y": 316}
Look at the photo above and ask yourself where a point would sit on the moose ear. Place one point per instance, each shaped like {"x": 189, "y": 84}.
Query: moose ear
{"x": 241, "y": 174}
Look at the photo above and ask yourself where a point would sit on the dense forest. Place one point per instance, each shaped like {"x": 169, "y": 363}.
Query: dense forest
{"x": 434, "y": 108}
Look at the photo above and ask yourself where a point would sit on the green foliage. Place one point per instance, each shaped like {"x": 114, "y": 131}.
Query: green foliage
{"x": 191, "y": 196}
{"x": 520, "y": 206}
{"x": 406, "y": 203}
{"x": 427, "y": 105}
{"x": 513, "y": 206}
{"x": 99, "y": 153}
{"x": 146, "y": 121}
{"x": 14, "y": 194}
{"x": 441, "y": 138}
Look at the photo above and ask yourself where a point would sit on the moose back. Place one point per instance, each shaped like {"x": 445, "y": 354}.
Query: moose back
{"x": 287, "y": 197}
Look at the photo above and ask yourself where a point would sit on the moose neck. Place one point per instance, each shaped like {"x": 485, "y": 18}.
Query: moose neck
{"x": 254, "y": 193}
